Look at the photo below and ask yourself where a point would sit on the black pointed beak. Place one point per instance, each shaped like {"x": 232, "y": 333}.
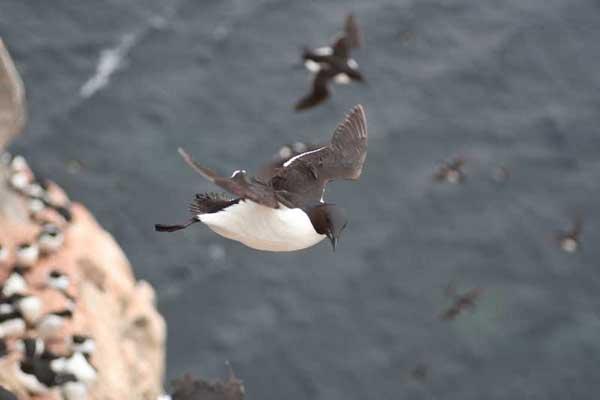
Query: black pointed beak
{"x": 333, "y": 241}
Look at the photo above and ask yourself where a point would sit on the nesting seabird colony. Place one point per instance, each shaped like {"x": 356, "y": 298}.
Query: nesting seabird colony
{"x": 39, "y": 344}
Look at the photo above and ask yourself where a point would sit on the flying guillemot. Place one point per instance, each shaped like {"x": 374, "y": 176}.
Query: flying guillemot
{"x": 569, "y": 240}
{"x": 287, "y": 211}
{"x": 332, "y": 63}
{"x": 451, "y": 172}
{"x": 461, "y": 302}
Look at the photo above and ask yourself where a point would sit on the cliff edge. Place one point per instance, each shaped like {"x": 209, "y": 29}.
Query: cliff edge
{"x": 74, "y": 322}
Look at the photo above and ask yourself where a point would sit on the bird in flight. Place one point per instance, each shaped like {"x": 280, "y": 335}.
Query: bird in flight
{"x": 451, "y": 172}
{"x": 569, "y": 240}
{"x": 332, "y": 62}
{"x": 283, "y": 210}
{"x": 461, "y": 302}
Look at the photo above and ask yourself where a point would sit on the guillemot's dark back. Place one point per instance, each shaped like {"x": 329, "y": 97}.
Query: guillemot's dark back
{"x": 511, "y": 84}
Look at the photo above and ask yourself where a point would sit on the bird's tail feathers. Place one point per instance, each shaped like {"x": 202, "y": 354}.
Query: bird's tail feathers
{"x": 173, "y": 228}
{"x": 208, "y": 203}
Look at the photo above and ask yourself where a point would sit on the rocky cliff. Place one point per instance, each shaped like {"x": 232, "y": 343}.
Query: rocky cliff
{"x": 74, "y": 322}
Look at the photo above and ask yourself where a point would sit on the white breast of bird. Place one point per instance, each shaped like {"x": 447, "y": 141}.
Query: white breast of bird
{"x": 264, "y": 228}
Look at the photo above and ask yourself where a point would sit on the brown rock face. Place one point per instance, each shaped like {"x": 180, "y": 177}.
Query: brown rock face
{"x": 12, "y": 98}
{"x": 109, "y": 305}
{"x": 81, "y": 284}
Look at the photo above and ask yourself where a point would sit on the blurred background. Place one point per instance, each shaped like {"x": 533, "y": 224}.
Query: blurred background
{"x": 114, "y": 87}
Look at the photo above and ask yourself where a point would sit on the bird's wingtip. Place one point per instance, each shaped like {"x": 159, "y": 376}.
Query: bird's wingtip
{"x": 186, "y": 157}
{"x": 358, "y": 109}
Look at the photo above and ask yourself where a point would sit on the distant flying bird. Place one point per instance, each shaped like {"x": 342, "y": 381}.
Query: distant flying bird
{"x": 451, "y": 172}
{"x": 420, "y": 372}
{"x": 287, "y": 211}
{"x": 332, "y": 62}
{"x": 569, "y": 240}
{"x": 461, "y": 302}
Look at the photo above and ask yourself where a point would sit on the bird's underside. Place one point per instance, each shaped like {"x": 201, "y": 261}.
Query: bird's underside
{"x": 290, "y": 189}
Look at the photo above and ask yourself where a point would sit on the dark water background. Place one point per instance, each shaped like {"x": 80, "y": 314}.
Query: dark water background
{"x": 513, "y": 83}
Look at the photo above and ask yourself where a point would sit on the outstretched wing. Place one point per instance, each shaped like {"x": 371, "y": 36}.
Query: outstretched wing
{"x": 302, "y": 179}
{"x": 349, "y": 39}
{"x": 238, "y": 184}
{"x": 341, "y": 48}
{"x": 268, "y": 170}
{"x": 352, "y": 32}
{"x": 319, "y": 91}
{"x": 349, "y": 146}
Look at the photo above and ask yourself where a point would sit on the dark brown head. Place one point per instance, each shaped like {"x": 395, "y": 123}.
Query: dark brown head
{"x": 329, "y": 220}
